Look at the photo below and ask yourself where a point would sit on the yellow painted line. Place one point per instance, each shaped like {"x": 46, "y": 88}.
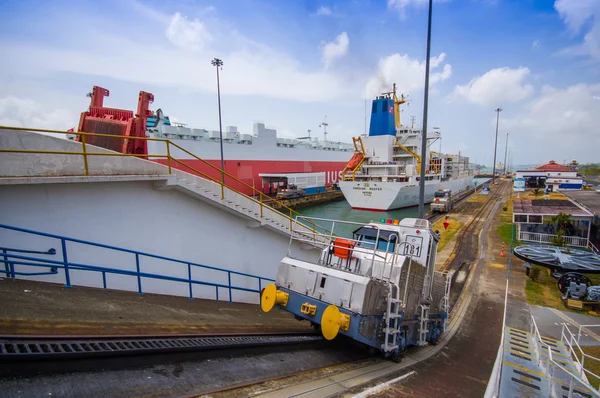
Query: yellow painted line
{"x": 496, "y": 265}
{"x": 536, "y": 373}
{"x": 554, "y": 354}
{"x": 520, "y": 330}
{"x": 523, "y": 354}
{"x": 575, "y": 323}
{"x": 524, "y": 369}
{"x": 516, "y": 348}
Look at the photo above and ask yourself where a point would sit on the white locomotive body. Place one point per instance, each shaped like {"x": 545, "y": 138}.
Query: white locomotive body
{"x": 379, "y": 287}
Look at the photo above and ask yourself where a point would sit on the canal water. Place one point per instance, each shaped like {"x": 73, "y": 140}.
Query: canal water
{"x": 341, "y": 210}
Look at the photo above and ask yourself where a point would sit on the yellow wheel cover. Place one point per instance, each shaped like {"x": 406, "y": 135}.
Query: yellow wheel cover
{"x": 330, "y": 322}
{"x": 268, "y": 298}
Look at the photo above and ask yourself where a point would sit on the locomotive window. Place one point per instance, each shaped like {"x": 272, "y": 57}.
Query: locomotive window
{"x": 369, "y": 243}
{"x": 323, "y": 279}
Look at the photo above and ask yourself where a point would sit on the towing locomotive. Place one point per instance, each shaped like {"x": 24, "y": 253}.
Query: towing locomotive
{"x": 379, "y": 288}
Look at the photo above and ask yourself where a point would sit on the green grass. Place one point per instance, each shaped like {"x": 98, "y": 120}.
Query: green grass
{"x": 544, "y": 291}
{"x": 505, "y": 232}
{"x": 592, "y": 365}
{"x": 447, "y": 234}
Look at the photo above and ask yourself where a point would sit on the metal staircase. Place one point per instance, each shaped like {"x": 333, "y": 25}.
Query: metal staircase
{"x": 533, "y": 365}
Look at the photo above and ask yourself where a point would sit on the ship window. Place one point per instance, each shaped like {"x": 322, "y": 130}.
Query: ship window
{"x": 323, "y": 280}
{"x": 383, "y": 106}
{"x": 374, "y": 107}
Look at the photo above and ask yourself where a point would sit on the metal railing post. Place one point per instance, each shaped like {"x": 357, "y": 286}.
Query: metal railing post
{"x": 229, "y": 282}
{"x": 190, "y": 280}
{"x": 261, "y": 205}
{"x": 217, "y": 292}
{"x": 7, "y": 267}
{"x": 65, "y": 262}
{"x": 104, "y": 279}
{"x": 85, "y": 159}
{"x": 291, "y": 219}
{"x": 169, "y": 156}
{"x": 222, "y": 191}
{"x": 139, "y": 278}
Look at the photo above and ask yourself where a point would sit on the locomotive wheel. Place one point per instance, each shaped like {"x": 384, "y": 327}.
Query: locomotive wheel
{"x": 565, "y": 280}
{"x": 397, "y": 356}
{"x": 435, "y": 338}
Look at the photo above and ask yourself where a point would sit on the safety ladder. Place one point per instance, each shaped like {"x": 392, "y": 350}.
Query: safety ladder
{"x": 392, "y": 319}
{"x": 424, "y": 324}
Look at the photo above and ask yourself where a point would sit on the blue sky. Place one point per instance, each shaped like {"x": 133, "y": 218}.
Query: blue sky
{"x": 290, "y": 63}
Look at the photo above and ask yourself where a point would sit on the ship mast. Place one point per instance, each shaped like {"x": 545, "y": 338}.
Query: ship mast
{"x": 397, "y": 103}
{"x": 324, "y": 125}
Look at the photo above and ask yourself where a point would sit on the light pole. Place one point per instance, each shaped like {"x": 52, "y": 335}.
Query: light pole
{"x": 505, "y": 151}
{"x": 219, "y": 64}
{"x": 498, "y": 110}
{"x": 424, "y": 131}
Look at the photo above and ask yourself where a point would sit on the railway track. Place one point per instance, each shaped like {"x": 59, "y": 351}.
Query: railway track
{"x": 465, "y": 238}
{"x": 24, "y": 348}
{"x": 434, "y": 217}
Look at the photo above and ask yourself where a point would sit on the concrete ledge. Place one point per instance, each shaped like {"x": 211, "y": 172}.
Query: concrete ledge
{"x": 82, "y": 179}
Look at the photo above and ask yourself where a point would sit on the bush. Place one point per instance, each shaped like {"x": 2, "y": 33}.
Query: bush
{"x": 534, "y": 273}
{"x": 505, "y": 208}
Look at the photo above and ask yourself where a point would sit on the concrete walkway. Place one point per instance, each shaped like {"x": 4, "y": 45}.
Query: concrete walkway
{"x": 38, "y": 308}
{"x": 550, "y": 320}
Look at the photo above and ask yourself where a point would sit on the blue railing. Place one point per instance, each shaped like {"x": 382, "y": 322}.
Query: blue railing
{"x": 11, "y": 257}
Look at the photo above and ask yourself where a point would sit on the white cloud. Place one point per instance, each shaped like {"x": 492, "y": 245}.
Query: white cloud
{"x": 496, "y": 87}
{"x": 324, "y": 11}
{"x": 407, "y": 73}
{"x": 335, "y": 49}
{"x": 25, "y": 112}
{"x": 187, "y": 35}
{"x": 566, "y": 119}
{"x": 535, "y": 45}
{"x": 250, "y": 68}
{"x": 402, "y": 5}
{"x": 575, "y": 15}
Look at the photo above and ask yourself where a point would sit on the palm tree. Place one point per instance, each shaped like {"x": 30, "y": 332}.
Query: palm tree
{"x": 536, "y": 192}
{"x": 561, "y": 221}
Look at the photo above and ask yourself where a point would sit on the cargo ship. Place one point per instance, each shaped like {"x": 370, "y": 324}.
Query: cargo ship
{"x": 384, "y": 171}
{"x": 247, "y": 156}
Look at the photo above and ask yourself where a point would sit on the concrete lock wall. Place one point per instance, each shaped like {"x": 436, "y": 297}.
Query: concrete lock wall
{"x": 136, "y": 216}
{"x": 52, "y": 165}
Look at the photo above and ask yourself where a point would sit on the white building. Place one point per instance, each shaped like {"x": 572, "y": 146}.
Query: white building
{"x": 552, "y": 177}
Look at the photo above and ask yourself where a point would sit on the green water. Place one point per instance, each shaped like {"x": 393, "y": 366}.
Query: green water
{"x": 342, "y": 211}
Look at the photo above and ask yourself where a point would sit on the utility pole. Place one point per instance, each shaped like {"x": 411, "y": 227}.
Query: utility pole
{"x": 498, "y": 110}
{"x": 424, "y": 130}
{"x": 505, "y": 149}
{"x": 219, "y": 64}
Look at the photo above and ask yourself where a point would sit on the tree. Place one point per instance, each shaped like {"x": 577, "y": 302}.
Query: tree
{"x": 561, "y": 221}
{"x": 537, "y": 192}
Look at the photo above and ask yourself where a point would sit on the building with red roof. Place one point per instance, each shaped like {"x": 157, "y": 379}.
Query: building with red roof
{"x": 552, "y": 177}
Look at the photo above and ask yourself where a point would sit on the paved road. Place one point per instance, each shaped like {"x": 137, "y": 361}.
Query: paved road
{"x": 549, "y": 322}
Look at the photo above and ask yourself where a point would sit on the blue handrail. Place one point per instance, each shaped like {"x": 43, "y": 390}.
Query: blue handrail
{"x": 18, "y": 259}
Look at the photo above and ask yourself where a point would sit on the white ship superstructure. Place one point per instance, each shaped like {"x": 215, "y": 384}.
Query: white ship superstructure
{"x": 384, "y": 172}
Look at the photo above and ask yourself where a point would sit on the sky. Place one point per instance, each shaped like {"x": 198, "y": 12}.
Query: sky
{"x": 291, "y": 64}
